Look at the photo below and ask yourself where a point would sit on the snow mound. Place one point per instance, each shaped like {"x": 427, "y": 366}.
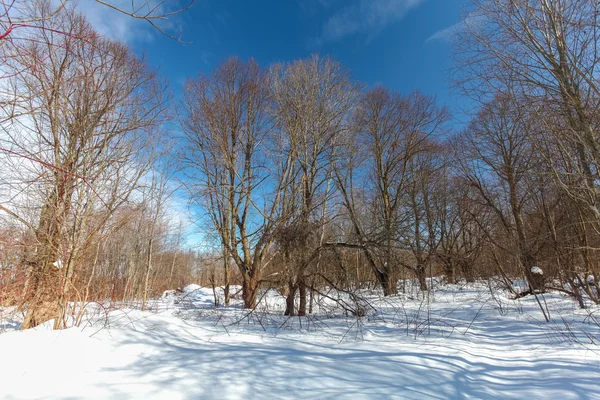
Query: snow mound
{"x": 191, "y": 288}
{"x": 520, "y": 286}
{"x": 537, "y": 271}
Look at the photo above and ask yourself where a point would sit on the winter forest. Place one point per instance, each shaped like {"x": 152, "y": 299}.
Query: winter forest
{"x": 351, "y": 241}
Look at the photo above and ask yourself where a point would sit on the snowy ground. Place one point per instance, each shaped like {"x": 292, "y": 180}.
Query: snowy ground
{"x": 460, "y": 343}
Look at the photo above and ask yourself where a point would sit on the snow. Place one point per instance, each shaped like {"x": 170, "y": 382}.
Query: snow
{"x": 520, "y": 286}
{"x": 191, "y": 288}
{"x": 537, "y": 271}
{"x": 462, "y": 341}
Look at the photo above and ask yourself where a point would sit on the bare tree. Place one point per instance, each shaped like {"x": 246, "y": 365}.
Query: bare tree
{"x": 227, "y": 124}
{"x": 156, "y": 196}
{"x": 463, "y": 224}
{"x": 390, "y": 132}
{"x": 312, "y": 100}
{"x": 497, "y": 159}
{"x": 421, "y": 234}
{"x": 545, "y": 54}
{"x": 22, "y": 19}
{"x": 87, "y": 110}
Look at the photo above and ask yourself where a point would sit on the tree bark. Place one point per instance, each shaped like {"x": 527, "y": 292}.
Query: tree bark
{"x": 422, "y": 277}
{"x": 227, "y": 277}
{"x": 289, "y": 300}
{"x": 302, "y": 293}
{"x": 250, "y": 288}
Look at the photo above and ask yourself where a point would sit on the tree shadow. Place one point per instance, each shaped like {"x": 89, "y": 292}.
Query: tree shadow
{"x": 249, "y": 366}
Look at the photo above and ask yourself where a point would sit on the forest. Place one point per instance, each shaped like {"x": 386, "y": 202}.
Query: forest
{"x": 283, "y": 229}
{"x": 299, "y": 177}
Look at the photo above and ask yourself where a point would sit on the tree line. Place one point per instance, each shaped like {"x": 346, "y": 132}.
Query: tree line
{"x": 301, "y": 177}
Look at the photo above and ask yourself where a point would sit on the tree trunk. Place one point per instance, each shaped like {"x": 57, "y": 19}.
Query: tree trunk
{"x": 422, "y": 277}
{"x": 290, "y": 298}
{"x": 214, "y": 289}
{"x": 302, "y": 306}
{"x": 467, "y": 270}
{"x": 450, "y": 271}
{"x": 172, "y": 270}
{"x": 250, "y": 287}
{"x": 311, "y": 297}
{"x": 44, "y": 275}
{"x": 386, "y": 282}
{"x": 148, "y": 268}
{"x": 227, "y": 277}
{"x": 535, "y": 281}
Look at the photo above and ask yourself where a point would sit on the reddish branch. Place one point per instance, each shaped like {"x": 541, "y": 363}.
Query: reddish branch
{"x": 52, "y": 166}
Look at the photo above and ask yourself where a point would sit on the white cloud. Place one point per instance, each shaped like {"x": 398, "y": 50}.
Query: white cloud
{"x": 365, "y": 16}
{"x": 447, "y": 34}
{"x": 115, "y": 24}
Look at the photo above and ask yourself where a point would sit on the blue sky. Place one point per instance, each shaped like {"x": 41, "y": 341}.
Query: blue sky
{"x": 400, "y": 44}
